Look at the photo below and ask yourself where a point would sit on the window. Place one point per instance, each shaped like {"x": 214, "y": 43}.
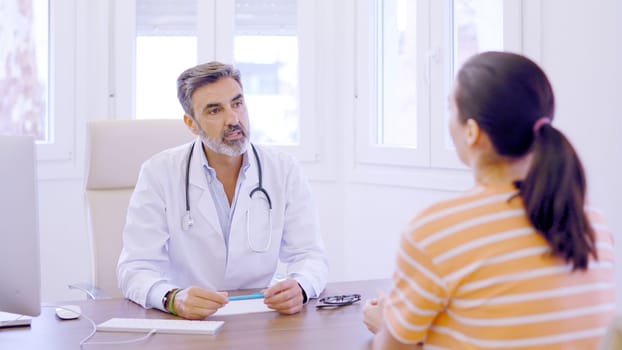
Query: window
{"x": 392, "y": 90}
{"x": 266, "y": 52}
{"x": 397, "y": 73}
{"x": 166, "y": 45}
{"x": 34, "y": 101}
{"x": 477, "y": 26}
{"x": 24, "y": 75}
{"x": 408, "y": 55}
{"x": 263, "y": 39}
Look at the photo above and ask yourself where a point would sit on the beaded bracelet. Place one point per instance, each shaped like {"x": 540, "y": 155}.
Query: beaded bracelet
{"x": 170, "y": 301}
{"x": 166, "y": 297}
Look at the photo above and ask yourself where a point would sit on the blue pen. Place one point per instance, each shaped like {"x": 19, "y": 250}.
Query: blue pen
{"x": 246, "y": 296}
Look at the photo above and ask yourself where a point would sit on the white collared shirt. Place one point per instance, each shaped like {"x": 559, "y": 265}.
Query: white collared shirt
{"x": 223, "y": 209}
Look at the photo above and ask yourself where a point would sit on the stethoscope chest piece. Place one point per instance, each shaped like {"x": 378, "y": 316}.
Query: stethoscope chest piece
{"x": 187, "y": 221}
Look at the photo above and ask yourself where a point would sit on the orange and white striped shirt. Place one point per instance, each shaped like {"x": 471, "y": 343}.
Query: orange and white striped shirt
{"x": 472, "y": 273}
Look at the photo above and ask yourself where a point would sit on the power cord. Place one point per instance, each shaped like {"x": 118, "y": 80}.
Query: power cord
{"x": 84, "y": 341}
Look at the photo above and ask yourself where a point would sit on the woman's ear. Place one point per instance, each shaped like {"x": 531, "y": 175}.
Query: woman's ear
{"x": 473, "y": 132}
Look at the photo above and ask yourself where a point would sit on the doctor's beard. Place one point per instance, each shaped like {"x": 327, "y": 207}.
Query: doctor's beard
{"x": 230, "y": 148}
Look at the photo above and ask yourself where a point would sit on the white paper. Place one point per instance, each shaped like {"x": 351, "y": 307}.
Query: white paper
{"x": 238, "y": 307}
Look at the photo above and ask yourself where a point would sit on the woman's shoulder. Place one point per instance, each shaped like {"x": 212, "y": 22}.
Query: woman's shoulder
{"x": 463, "y": 207}
{"x": 474, "y": 198}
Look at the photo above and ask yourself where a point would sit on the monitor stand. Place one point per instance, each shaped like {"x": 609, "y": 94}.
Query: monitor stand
{"x": 8, "y": 319}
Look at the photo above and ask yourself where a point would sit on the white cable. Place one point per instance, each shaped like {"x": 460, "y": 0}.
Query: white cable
{"x": 144, "y": 337}
{"x": 83, "y": 342}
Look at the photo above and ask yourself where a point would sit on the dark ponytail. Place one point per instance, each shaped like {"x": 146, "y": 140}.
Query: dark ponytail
{"x": 554, "y": 194}
{"x": 509, "y": 96}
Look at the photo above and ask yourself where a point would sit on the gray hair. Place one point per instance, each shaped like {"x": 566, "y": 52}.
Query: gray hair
{"x": 201, "y": 75}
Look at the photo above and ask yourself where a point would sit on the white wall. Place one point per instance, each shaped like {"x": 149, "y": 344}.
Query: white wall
{"x": 582, "y": 53}
{"x": 577, "y": 42}
{"x": 64, "y": 246}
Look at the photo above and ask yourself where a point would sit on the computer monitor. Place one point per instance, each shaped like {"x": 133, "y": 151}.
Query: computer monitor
{"x": 20, "y": 279}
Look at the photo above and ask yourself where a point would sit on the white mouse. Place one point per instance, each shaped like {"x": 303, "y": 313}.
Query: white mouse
{"x": 68, "y": 312}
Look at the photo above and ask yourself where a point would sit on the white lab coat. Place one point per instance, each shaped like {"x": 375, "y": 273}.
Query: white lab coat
{"x": 159, "y": 255}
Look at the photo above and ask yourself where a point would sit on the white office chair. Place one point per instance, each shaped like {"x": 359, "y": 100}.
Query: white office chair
{"x": 116, "y": 151}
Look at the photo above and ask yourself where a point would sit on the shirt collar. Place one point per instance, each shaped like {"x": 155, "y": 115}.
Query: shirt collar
{"x": 211, "y": 173}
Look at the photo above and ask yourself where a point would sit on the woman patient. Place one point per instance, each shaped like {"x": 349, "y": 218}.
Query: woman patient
{"x": 522, "y": 261}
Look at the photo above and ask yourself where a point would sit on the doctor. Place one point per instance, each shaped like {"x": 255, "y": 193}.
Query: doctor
{"x": 219, "y": 213}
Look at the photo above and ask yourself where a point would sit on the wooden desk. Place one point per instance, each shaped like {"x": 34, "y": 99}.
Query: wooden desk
{"x": 340, "y": 328}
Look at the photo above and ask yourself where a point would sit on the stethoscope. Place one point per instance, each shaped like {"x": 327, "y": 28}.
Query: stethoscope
{"x": 187, "y": 222}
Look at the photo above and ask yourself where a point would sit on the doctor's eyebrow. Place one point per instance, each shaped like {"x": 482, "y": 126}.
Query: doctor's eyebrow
{"x": 238, "y": 97}
{"x": 212, "y": 105}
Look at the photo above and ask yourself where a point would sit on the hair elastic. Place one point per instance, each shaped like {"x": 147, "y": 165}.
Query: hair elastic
{"x": 540, "y": 122}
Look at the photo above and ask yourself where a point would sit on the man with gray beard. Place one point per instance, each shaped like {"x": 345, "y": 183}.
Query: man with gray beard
{"x": 219, "y": 213}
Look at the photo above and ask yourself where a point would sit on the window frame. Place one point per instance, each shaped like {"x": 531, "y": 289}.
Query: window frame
{"x": 59, "y": 158}
{"x": 443, "y": 75}
{"x": 60, "y": 92}
{"x": 366, "y": 85}
{"x": 434, "y": 81}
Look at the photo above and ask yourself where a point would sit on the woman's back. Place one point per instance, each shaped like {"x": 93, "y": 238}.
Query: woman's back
{"x": 523, "y": 262}
{"x": 486, "y": 279}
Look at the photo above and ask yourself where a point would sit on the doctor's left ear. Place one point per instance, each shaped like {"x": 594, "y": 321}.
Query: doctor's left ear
{"x": 191, "y": 124}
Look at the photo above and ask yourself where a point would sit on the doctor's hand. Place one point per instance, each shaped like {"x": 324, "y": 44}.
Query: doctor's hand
{"x": 284, "y": 297}
{"x": 195, "y": 303}
{"x": 372, "y": 313}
